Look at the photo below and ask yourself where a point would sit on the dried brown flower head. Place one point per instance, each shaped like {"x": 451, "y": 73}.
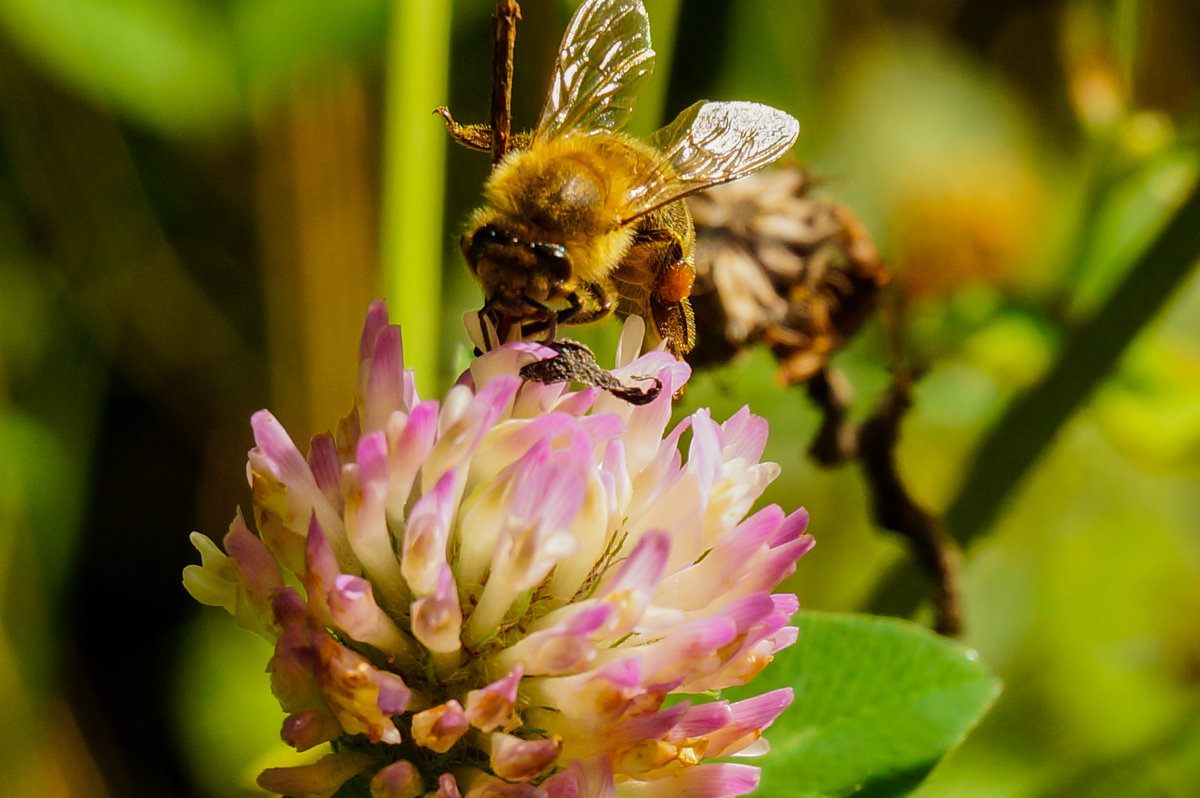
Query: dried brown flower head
{"x": 777, "y": 265}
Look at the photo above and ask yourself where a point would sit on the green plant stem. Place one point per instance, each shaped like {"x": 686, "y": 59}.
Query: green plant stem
{"x": 1090, "y": 353}
{"x": 414, "y": 165}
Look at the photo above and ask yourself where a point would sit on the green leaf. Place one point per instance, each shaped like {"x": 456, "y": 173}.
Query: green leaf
{"x": 169, "y": 64}
{"x": 878, "y": 702}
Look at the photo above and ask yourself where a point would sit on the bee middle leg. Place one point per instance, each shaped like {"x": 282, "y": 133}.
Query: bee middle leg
{"x": 590, "y": 304}
{"x": 595, "y": 303}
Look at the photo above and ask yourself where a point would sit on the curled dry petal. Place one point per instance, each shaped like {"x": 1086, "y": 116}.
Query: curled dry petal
{"x": 353, "y": 688}
{"x": 439, "y": 728}
{"x": 318, "y": 780}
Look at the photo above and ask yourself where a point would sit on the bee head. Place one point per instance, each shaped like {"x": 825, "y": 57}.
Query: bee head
{"x": 516, "y": 275}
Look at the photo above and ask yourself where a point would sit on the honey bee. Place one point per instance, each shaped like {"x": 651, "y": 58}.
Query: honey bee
{"x": 581, "y": 213}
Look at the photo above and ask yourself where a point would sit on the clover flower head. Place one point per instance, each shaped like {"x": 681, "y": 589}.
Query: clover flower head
{"x": 505, "y": 593}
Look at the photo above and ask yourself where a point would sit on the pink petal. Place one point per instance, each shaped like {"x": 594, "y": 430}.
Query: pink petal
{"x": 295, "y": 498}
{"x": 513, "y": 441}
{"x": 437, "y": 620}
{"x": 704, "y": 454}
{"x": 597, "y": 697}
{"x": 385, "y": 383}
{"x": 462, "y": 425}
{"x": 578, "y": 402}
{"x": 713, "y": 578}
{"x": 492, "y": 787}
{"x": 591, "y": 779}
{"x": 660, "y": 472}
{"x": 752, "y": 610}
{"x": 785, "y": 637}
{"x": 326, "y": 467}
{"x": 716, "y": 780}
{"x": 258, "y": 572}
{"x": 366, "y": 521}
{"x": 645, "y": 424}
{"x": 565, "y": 647}
{"x": 353, "y": 609}
{"x": 777, "y": 565}
{"x": 447, "y": 787}
{"x": 492, "y": 706}
{"x": 277, "y": 449}
{"x": 792, "y": 527}
{"x": 602, "y": 427}
{"x": 375, "y": 323}
{"x": 515, "y": 759}
{"x": 646, "y": 726}
{"x": 704, "y": 719}
{"x": 744, "y": 435}
{"x": 748, "y": 719}
{"x": 693, "y": 648}
{"x": 409, "y": 443}
{"x": 394, "y": 695}
{"x": 761, "y": 711}
{"x": 397, "y": 780}
{"x": 507, "y": 360}
{"x": 636, "y": 580}
{"x": 426, "y": 535}
{"x": 310, "y": 728}
{"x": 293, "y": 666}
{"x": 653, "y": 472}
{"x": 617, "y": 484}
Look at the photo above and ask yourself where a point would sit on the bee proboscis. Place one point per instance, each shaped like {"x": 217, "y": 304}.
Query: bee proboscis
{"x": 581, "y": 213}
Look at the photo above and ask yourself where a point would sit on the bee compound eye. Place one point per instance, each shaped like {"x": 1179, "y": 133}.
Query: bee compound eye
{"x": 489, "y": 234}
{"x": 554, "y": 257}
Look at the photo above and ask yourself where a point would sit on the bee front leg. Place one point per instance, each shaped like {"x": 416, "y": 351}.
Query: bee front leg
{"x": 482, "y": 316}
{"x": 595, "y": 304}
{"x": 473, "y": 137}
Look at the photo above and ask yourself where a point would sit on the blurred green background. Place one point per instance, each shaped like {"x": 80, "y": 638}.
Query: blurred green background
{"x": 198, "y": 198}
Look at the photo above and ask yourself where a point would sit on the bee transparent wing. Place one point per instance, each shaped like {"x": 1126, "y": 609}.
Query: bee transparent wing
{"x": 709, "y": 144}
{"x": 604, "y": 57}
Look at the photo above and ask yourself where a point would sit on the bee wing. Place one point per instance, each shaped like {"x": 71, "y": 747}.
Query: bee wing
{"x": 709, "y": 144}
{"x": 603, "y": 59}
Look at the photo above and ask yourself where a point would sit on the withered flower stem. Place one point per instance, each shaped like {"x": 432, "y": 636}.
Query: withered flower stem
{"x": 799, "y": 272}
{"x": 504, "y": 35}
{"x": 873, "y": 445}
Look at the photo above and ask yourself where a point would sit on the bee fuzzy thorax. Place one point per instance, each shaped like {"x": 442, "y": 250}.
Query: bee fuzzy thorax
{"x": 569, "y": 191}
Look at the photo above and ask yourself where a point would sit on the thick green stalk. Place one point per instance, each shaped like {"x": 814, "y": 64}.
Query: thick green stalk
{"x": 414, "y": 166}
{"x": 1090, "y": 354}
